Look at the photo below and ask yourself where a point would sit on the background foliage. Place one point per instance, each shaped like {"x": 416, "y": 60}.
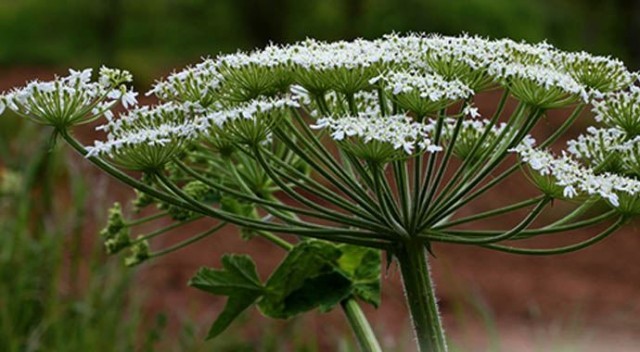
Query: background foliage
{"x": 147, "y": 36}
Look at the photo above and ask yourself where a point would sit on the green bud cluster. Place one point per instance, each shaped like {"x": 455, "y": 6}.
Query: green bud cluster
{"x": 139, "y": 253}
{"x": 116, "y": 233}
{"x": 142, "y": 200}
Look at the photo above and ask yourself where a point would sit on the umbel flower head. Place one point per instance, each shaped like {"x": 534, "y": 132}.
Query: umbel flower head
{"x": 620, "y": 109}
{"x": 599, "y": 73}
{"x": 422, "y": 92}
{"x": 466, "y": 58}
{"x": 576, "y": 179}
{"x": 470, "y": 134}
{"x": 147, "y": 137}
{"x": 71, "y": 100}
{"x": 540, "y": 86}
{"x": 199, "y": 83}
{"x": 596, "y": 148}
{"x": 377, "y": 139}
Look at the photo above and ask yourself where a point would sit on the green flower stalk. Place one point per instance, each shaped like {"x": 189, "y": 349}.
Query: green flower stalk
{"x": 357, "y": 148}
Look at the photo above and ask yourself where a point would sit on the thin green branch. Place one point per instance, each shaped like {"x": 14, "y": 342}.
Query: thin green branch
{"x": 433, "y": 188}
{"x": 490, "y": 213}
{"x": 356, "y": 195}
{"x": 546, "y": 230}
{"x": 189, "y": 241}
{"x": 561, "y": 250}
{"x": 165, "y": 229}
{"x": 472, "y": 154}
{"x": 362, "y": 330}
{"x": 351, "y": 236}
{"x": 310, "y": 140}
{"x": 503, "y": 236}
{"x": 385, "y": 204}
{"x": 499, "y": 155}
{"x": 257, "y": 152}
{"x": 146, "y": 219}
{"x": 327, "y": 214}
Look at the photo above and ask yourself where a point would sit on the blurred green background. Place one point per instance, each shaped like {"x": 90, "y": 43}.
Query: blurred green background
{"x": 43, "y": 243}
{"x": 150, "y": 36}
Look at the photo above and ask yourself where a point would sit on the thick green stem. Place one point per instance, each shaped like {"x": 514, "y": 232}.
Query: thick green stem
{"x": 420, "y": 295}
{"x": 360, "y": 326}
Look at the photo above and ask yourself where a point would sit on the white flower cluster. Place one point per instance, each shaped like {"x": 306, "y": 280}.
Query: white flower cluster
{"x": 430, "y": 86}
{"x": 608, "y": 149}
{"x": 541, "y": 53}
{"x": 320, "y": 56}
{"x": 596, "y": 146}
{"x": 475, "y": 52}
{"x": 196, "y": 84}
{"x": 397, "y": 130}
{"x": 271, "y": 56}
{"x": 600, "y": 73}
{"x": 420, "y": 73}
{"x": 630, "y": 155}
{"x": 538, "y": 84}
{"x": 219, "y": 116}
{"x": 369, "y": 103}
{"x": 157, "y": 125}
{"x": 359, "y": 80}
{"x": 620, "y": 109}
{"x": 72, "y": 99}
{"x": 576, "y": 178}
{"x": 162, "y": 125}
{"x": 472, "y": 59}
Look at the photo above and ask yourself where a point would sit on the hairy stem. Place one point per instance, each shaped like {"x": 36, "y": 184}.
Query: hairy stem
{"x": 420, "y": 295}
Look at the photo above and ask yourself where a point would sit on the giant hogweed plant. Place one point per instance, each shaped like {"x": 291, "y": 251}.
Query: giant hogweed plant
{"x": 340, "y": 152}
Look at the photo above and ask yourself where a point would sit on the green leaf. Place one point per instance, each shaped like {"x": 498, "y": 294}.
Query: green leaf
{"x": 362, "y": 266}
{"x": 324, "y": 291}
{"x": 305, "y": 279}
{"x": 238, "y": 280}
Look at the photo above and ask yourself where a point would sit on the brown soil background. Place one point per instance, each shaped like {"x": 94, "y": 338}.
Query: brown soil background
{"x": 584, "y": 301}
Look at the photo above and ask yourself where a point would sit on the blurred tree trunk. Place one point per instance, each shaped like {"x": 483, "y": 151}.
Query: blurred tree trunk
{"x": 265, "y": 20}
{"x": 626, "y": 27}
{"x": 109, "y": 14}
{"x": 355, "y": 9}
{"x": 629, "y": 11}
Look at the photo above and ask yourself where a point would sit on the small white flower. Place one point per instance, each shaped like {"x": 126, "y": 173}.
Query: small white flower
{"x": 434, "y": 148}
{"x": 472, "y": 111}
{"x": 129, "y": 99}
{"x": 83, "y": 76}
{"x": 114, "y": 94}
{"x": 613, "y": 199}
{"x": 569, "y": 192}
